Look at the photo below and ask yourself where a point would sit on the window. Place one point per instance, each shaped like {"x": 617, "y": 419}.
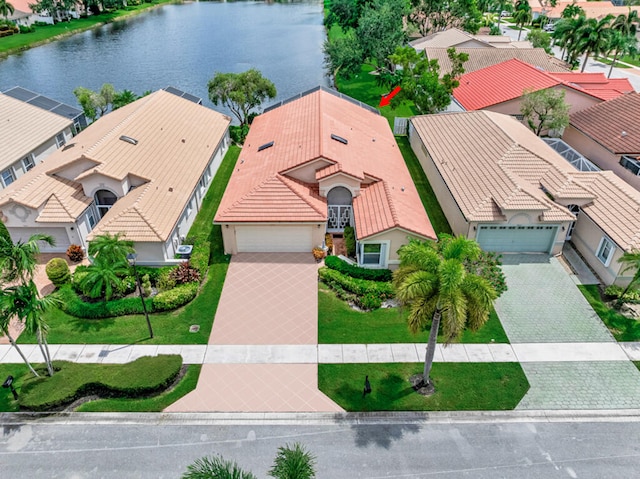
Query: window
{"x": 92, "y": 220}
{"x": 60, "y": 140}
{"x": 8, "y": 177}
{"x": 631, "y": 164}
{"x": 189, "y": 208}
{"x": 605, "y": 251}
{"x": 104, "y": 199}
{"x": 28, "y": 163}
{"x": 76, "y": 126}
{"x": 371, "y": 253}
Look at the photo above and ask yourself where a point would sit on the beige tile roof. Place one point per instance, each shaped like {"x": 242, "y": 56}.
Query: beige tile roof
{"x": 24, "y": 128}
{"x": 480, "y": 58}
{"x": 301, "y": 132}
{"x": 176, "y": 139}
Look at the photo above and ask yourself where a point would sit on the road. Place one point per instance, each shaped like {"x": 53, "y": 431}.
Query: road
{"x": 159, "y": 446}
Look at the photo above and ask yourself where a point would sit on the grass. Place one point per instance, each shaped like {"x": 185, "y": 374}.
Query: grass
{"x": 427, "y": 196}
{"x": 608, "y": 61}
{"x": 338, "y": 324}
{"x": 622, "y": 328}
{"x": 45, "y": 34}
{"x": 170, "y": 327}
{"x": 635, "y": 61}
{"x": 459, "y": 386}
{"x": 152, "y": 404}
{"x": 18, "y": 371}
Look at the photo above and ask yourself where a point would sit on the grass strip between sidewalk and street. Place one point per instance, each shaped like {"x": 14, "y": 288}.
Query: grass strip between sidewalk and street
{"x": 459, "y": 386}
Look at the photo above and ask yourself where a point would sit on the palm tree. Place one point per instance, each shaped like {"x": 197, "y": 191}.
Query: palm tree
{"x": 631, "y": 260}
{"x": 522, "y": 15}
{"x": 6, "y": 9}
{"x": 593, "y": 37}
{"x": 110, "y": 247}
{"x": 433, "y": 282}
{"x": 621, "y": 45}
{"x": 24, "y": 302}
{"x": 103, "y": 277}
{"x": 5, "y": 319}
{"x": 215, "y": 468}
{"x": 627, "y": 24}
{"x": 293, "y": 462}
{"x": 18, "y": 260}
{"x": 572, "y": 10}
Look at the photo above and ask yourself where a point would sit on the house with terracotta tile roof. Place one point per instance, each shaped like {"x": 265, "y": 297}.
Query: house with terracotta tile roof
{"x": 596, "y": 9}
{"x": 24, "y": 15}
{"x": 454, "y": 37}
{"x": 141, "y": 170}
{"x": 316, "y": 164}
{"x": 608, "y": 134}
{"x": 499, "y": 183}
{"x": 500, "y": 87}
{"x": 29, "y": 134}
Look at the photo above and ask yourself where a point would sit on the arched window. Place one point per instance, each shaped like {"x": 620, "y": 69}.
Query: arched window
{"x": 104, "y": 199}
{"x": 339, "y": 196}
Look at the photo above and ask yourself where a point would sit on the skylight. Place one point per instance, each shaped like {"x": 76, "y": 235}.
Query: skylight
{"x": 339, "y": 138}
{"x": 265, "y": 146}
{"x": 128, "y": 139}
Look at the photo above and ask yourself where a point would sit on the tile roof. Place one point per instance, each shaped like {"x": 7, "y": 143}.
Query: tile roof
{"x": 489, "y": 161}
{"x": 262, "y": 186}
{"x": 597, "y": 9}
{"x": 454, "y": 36}
{"x": 507, "y": 81}
{"x": 480, "y": 58}
{"x": 606, "y": 121}
{"x": 24, "y": 128}
{"x": 175, "y": 141}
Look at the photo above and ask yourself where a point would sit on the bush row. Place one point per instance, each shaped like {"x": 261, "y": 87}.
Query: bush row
{"x": 350, "y": 241}
{"x": 200, "y": 254}
{"x": 72, "y": 381}
{"x": 72, "y": 304}
{"x": 368, "y": 294}
{"x": 343, "y": 267}
{"x": 176, "y": 297}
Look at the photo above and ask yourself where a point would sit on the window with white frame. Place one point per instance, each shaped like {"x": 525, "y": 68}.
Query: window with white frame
{"x": 60, "y": 140}
{"x": 372, "y": 254}
{"x": 605, "y": 250}
{"x": 8, "y": 176}
{"x": 28, "y": 162}
{"x": 92, "y": 220}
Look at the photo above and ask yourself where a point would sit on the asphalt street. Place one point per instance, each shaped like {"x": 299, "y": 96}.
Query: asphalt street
{"x": 395, "y": 449}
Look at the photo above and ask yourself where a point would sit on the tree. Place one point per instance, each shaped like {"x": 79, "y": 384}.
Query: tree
{"x": 621, "y": 45}
{"x": 545, "y": 110}
{"x": 111, "y": 247}
{"x": 6, "y": 8}
{"x": 631, "y": 260}
{"x": 344, "y": 13}
{"x": 433, "y": 282}
{"x": 522, "y": 15}
{"x": 540, "y": 39}
{"x": 123, "y": 98}
{"x": 342, "y": 55}
{"x": 293, "y": 462}
{"x": 572, "y": 10}
{"x": 627, "y": 24}
{"x": 240, "y": 92}
{"x": 5, "y": 319}
{"x": 215, "y": 468}
{"x": 97, "y": 103}
{"x": 18, "y": 260}
{"x": 437, "y": 15}
{"x": 593, "y": 37}
{"x": 567, "y": 34}
{"x": 104, "y": 277}
{"x": 381, "y": 30}
{"x": 58, "y": 9}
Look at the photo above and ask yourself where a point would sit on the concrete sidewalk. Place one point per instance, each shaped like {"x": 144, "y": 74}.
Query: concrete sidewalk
{"x": 334, "y": 353}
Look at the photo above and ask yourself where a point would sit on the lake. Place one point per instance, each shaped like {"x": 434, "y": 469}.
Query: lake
{"x": 181, "y": 45}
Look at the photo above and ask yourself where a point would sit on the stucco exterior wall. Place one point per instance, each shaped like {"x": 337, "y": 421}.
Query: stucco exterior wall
{"x": 326, "y": 184}
{"x": 318, "y": 231}
{"x": 307, "y": 173}
{"x": 97, "y": 182}
{"x": 396, "y": 237}
{"x": 577, "y": 101}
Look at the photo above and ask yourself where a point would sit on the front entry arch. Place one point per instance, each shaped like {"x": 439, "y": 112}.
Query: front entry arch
{"x": 339, "y": 214}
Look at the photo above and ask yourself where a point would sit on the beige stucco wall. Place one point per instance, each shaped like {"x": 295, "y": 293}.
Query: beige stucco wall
{"x": 149, "y": 254}
{"x": 318, "y": 231}
{"x": 340, "y": 179}
{"x": 96, "y": 182}
{"x": 586, "y": 238}
{"x": 307, "y": 173}
{"x": 473, "y": 43}
{"x": 577, "y": 101}
{"x": 396, "y": 237}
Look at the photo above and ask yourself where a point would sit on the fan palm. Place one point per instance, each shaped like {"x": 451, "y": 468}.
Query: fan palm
{"x": 18, "y": 260}
{"x": 111, "y": 247}
{"x": 103, "y": 278}
{"x": 215, "y": 468}
{"x": 433, "y": 283}
{"x": 593, "y": 37}
{"x": 631, "y": 260}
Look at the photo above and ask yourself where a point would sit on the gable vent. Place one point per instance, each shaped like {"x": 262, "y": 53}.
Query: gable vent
{"x": 128, "y": 139}
{"x": 339, "y": 138}
{"x": 265, "y": 146}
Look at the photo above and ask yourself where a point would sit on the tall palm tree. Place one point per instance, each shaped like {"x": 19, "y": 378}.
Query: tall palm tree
{"x": 626, "y": 24}
{"x": 631, "y": 260}
{"x": 572, "y": 10}
{"x": 103, "y": 278}
{"x": 621, "y": 45}
{"x": 111, "y": 247}
{"x": 522, "y": 15}
{"x": 433, "y": 282}
{"x": 293, "y": 462}
{"x": 6, "y": 9}
{"x": 215, "y": 468}
{"x": 6, "y": 304}
{"x": 18, "y": 260}
{"x": 593, "y": 37}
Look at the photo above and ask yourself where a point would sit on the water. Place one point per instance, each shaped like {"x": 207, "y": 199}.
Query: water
{"x": 181, "y": 45}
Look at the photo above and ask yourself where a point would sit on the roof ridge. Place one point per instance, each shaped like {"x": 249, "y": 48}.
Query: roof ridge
{"x": 320, "y": 129}
{"x": 284, "y": 180}
{"x": 53, "y": 195}
{"x": 392, "y": 207}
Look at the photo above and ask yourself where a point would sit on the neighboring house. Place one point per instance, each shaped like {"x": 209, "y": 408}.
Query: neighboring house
{"x": 454, "y": 37}
{"x": 500, "y": 87}
{"x": 23, "y": 15}
{"x": 66, "y": 111}
{"x": 499, "y": 183}
{"x": 480, "y": 58}
{"x": 141, "y": 170}
{"x": 596, "y": 9}
{"x": 608, "y": 134}
{"x": 316, "y": 164}
{"x": 28, "y": 135}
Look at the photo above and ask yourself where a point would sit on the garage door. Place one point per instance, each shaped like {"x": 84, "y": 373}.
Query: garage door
{"x": 59, "y": 235}
{"x": 274, "y": 239}
{"x": 512, "y": 239}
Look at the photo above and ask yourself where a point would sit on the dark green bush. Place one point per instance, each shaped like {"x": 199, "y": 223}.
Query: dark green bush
{"x": 72, "y": 381}
{"x": 343, "y": 267}
{"x": 72, "y": 304}
{"x": 4, "y": 232}
{"x": 200, "y": 254}
{"x": 238, "y": 133}
{"x": 176, "y": 297}
{"x": 369, "y": 294}
{"x": 154, "y": 273}
{"x": 350, "y": 241}
{"x": 58, "y": 271}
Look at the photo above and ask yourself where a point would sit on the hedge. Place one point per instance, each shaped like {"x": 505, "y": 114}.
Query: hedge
{"x": 368, "y": 294}
{"x": 176, "y": 297}
{"x": 72, "y": 304}
{"x": 72, "y": 381}
{"x": 350, "y": 241}
{"x": 343, "y": 267}
{"x": 200, "y": 254}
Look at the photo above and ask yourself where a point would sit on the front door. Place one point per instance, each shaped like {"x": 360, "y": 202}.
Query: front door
{"x": 339, "y": 213}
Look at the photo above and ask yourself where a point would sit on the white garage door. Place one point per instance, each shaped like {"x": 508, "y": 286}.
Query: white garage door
{"x": 521, "y": 239}
{"x": 59, "y": 235}
{"x": 274, "y": 239}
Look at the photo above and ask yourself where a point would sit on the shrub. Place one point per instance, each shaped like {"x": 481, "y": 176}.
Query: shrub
{"x": 25, "y": 29}
{"x": 126, "y": 286}
{"x": 318, "y": 253}
{"x": 75, "y": 253}
{"x": 153, "y": 273}
{"x": 72, "y": 381}
{"x": 616, "y": 292}
{"x": 165, "y": 282}
{"x": 176, "y": 297}
{"x": 238, "y": 133}
{"x": 343, "y": 267}
{"x": 4, "y": 232}
{"x": 200, "y": 254}
{"x": 369, "y": 294}
{"x": 488, "y": 266}
{"x": 58, "y": 271}
{"x": 350, "y": 241}
{"x": 146, "y": 285}
{"x": 78, "y": 278}
{"x": 328, "y": 240}
{"x": 72, "y": 304}
{"x": 185, "y": 273}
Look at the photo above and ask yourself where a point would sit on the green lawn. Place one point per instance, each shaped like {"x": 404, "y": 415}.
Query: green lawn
{"x": 622, "y": 328}
{"x": 427, "y": 196}
{"x": 44, "y": 34}
{"x": 338, "y": 324}
{"x": 459, "y": 386}
{"x": 169, "y": 327}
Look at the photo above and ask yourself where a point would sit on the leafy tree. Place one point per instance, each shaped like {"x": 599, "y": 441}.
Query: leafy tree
{"x": 437, "y": 15}
{"x": 111, "y": 247}
{"x": 433, "y": 282}
{"x": 293, "y": 462}
{"x": 18, "y": 260}
{"x": 381, "y": 30}
{"x": 342, "y": 55}
{"x": 240, "y": 92}
{"x": 631, "y": 260}
{"x": 522, "y": 15}
{"x": 593, "y": 37}
{"x": 6, "y": 8}
{"x": 540, "y": 39}
{"x": 58, "y": 9}
{"x": 545, "y": 110}
{"x": 104, "y": 277}
{"x": 344, "y": 13}
{"x": 97, "y": 103}
{"x": 215, "y": 468}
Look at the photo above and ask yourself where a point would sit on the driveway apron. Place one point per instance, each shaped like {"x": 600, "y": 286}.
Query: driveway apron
{"x": 543, "y": 305}
{"x": 267, "y": 299}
